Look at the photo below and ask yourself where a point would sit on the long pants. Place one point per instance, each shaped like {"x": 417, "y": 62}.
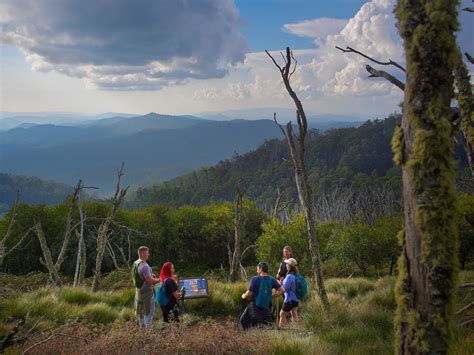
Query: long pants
{"x": 145, "y": 320}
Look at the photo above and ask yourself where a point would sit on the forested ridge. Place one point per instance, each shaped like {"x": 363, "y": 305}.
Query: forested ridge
{"x": 32, "y": 189}
{"x": 354, "y": 159}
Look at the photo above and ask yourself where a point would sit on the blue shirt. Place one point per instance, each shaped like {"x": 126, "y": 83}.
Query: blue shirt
{"x": 289, "y": 283}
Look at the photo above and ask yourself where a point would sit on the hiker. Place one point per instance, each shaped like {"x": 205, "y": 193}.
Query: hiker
{"x": 291, "y": 302}
{"x": 259, "y": 293}
{"x": 169, "y": 293}
{"x": 282, "y": 271}
{"x": 144, "y": 280}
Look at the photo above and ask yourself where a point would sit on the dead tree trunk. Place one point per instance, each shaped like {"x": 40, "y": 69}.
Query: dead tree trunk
{"x": 80, "y": 246}
{"x": 47, "y": 259}
{"x": 423, "y": 145}
{"x": 68, "y": 229}
{"x": 301, "y": 177}
{"x": 235, "y": 262}
{"x": 3, "y": 248}
{"x": 102, "y": 234}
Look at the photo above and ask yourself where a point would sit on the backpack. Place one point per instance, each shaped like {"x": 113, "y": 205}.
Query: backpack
{"x": 136, "y": 279}
{"x": 264, "y": 296}
{"x": 301, "y": 287}
{"x": 161, "y": 297}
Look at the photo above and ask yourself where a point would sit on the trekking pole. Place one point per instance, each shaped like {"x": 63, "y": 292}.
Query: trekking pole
{"x": 278, "y": 314}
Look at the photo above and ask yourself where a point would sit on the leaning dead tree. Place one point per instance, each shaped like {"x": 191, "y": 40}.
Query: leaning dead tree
{"x": 423, "y": 145}
{"x": 297, "y": 151}
{"x": 4, "y": 250}
{"x": 234, "y": 258}
{"x": 47, "y": 259}
{"x": 80, "y": 269}
{"x": 68, "y": 228}
{"x": 102, "y": 234}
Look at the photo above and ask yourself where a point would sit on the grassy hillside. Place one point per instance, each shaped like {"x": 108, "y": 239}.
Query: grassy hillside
{"x": 78, "y": 321}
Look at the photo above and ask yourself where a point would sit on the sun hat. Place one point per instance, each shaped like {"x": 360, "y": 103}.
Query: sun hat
{"x": 291, "y": 261}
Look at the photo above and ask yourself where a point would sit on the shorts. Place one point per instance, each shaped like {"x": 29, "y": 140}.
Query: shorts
{"x": 288, "y": 306}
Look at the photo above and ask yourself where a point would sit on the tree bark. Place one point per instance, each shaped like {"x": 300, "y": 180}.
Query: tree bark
{"x": 424, "y": 145}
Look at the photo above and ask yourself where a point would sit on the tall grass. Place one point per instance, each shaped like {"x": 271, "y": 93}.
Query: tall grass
{"x": 360, "y": 320}
{"x": 67, "y": 304}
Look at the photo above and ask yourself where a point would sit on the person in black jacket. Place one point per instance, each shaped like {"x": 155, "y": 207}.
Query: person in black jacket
{"x": 282, "y": 271}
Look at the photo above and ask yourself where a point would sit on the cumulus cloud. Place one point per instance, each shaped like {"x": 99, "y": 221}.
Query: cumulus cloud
{"x": 126, "y": 44}
{"x": 318, "y": 29}
{"x": 372, "y": 30}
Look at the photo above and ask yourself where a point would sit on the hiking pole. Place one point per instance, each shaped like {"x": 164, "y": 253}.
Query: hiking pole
{"x": 278, "y": 314}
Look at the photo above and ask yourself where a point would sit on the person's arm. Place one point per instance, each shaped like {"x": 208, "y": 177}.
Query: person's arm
{"x": 247, "y": 295}
{"x": 151, "y": 280}
{"x": 279, "y": 292}
{"x": 279, "y": 289}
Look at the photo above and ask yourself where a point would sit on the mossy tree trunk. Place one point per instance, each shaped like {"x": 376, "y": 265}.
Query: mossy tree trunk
{"x": 424, "y": 145}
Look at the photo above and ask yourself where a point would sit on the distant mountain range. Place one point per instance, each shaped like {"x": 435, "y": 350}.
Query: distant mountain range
{"x": 154, "y": 147}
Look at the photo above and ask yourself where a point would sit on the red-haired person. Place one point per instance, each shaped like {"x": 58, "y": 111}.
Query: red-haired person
{"x": 170, "y": 286}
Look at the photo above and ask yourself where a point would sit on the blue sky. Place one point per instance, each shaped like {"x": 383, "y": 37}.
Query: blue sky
{"x": 187, "y": 57}
{"x": 264, "y": 19}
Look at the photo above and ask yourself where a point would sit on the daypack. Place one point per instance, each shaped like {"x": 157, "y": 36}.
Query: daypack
{"x": 301, "y": 287}
{"x": 161, "y": 297}
{"x": 136, "y": 279}
{"x": 264, "y": 297}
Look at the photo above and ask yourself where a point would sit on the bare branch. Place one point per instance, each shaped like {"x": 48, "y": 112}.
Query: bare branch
{"x": 465, "y": 308}
{"x": 279, "y": 125}
{"x": 469, "y": 58}
{"x": 382, "y": 74}
{"x": 14, "y": 214}
{"x": 10, "y": 250}
{"x": 294, "y": 67}
{"x": 67, "y": 231}
{"x": 390, "y": 62}
{"x": 51, "y": 337}
{"x": 274, "y": 62}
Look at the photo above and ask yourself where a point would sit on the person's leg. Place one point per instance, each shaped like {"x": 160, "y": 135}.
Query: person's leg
{"x": 285, "y": 312}
{"x": 147, "y": 319}
{"x": 294, "y": 314}
{"x": 245, "y": 319}
{"x": 166, "y": 314}
{"x": 283, "y": 316}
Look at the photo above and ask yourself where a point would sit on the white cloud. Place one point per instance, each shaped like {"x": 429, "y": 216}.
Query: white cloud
{"x": 318, "y": 28}
{"x": 126, "y": 44}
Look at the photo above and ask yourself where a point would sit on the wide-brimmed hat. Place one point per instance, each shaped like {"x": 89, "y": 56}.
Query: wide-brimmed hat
{"x": 291, "y": 261}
